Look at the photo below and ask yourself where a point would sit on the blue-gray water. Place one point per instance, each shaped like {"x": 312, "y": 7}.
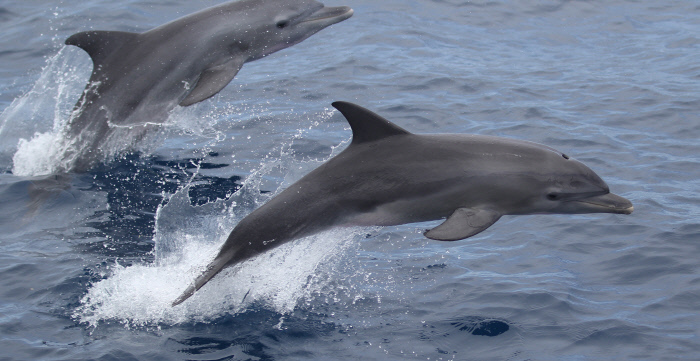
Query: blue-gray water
{"x": 89, "y": 266}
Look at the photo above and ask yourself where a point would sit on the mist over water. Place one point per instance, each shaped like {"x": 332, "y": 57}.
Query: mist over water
{"x": 89, "y": 263}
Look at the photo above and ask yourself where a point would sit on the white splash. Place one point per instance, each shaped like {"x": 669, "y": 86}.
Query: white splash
{"x": 187, "y": 239}
{"x": 31, "y": 126}
{"x": 38, "y": 156}
{"x": 140, "y": 295}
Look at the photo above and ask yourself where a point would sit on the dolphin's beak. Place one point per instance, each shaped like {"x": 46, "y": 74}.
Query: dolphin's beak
{"x": 330, "y": 15}
{"x": 606, "y": 203}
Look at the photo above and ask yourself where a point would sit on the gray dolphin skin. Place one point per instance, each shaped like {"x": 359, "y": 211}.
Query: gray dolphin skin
{"x": 138, "y": 78}
{"x": 388, "y": 176}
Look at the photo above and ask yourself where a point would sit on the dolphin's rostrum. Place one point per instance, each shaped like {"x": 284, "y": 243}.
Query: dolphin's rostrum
{"x": 138, "y": 78}
{"x": 389, "y": 176}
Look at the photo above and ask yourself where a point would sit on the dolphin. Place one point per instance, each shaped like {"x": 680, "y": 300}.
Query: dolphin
{"x": 138, "y": 78}
{"x": 389, "y": 176}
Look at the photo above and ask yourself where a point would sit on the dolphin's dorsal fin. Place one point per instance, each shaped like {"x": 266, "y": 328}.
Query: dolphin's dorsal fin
{"x": 463, "y": 223}
{"x": 366, "y": 125}
{"x": 100, "y": 44}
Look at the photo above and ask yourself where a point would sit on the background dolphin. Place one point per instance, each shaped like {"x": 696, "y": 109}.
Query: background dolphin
{"x": 388, "y": 176}
{"x": 138, "y": 78}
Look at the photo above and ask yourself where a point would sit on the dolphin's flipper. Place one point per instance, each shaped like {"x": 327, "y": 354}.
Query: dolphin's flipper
{"x": 100, "y": 44}
{"x": 212, "y": 80}
{"x": 463, "y": 223}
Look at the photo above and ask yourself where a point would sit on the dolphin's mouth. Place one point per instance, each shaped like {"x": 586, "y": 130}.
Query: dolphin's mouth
{"x": 607, "y": 203}
{"x": 332, "y": 15}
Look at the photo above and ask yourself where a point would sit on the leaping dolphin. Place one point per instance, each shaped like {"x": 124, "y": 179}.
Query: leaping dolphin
{"x": 388, "y": 176}
{"x": 138, "y": 78}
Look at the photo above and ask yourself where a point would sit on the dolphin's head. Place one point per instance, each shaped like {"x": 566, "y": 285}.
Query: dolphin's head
{"x": 564, "y": 185}
{"x": 271, "y": 26}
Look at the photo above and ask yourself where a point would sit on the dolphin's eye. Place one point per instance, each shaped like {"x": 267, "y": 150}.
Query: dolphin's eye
{"x": 552, "y": 196}
{"x": 565, "y": 156}
{"x": 282, "y": 24}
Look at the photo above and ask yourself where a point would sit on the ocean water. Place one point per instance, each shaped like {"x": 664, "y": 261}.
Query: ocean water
{"x": 90, "y": 262}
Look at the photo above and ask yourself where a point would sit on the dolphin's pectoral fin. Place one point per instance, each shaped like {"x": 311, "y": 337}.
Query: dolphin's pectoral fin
{"x": 463, "y": 223}
{"x": 100, "y": 44}
{"x": 211, "y": 81}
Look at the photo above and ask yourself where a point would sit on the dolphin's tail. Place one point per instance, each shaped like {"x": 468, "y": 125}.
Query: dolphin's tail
{"x": 212, "y": 269}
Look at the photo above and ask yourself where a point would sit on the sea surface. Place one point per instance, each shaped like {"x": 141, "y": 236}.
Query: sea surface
{"x": 89, "y": 263}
